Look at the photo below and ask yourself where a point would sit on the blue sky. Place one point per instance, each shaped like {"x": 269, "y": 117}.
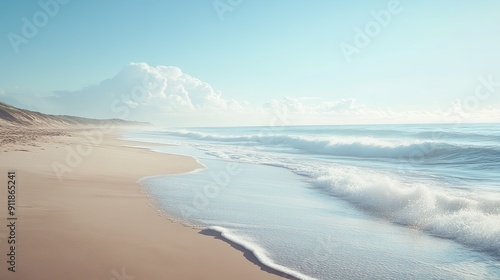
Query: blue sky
{"x": 427, "y": 56}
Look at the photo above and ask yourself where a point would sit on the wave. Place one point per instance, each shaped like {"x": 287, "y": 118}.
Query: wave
{"x": 437, "y": 135}
{"x": 364, "y": 147}
{"x": 470, "y": 218}
{"x": 258, "y": 253}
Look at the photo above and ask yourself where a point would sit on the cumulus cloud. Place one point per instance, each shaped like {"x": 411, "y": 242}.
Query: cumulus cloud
{"x": 166, "y": 88}
{"x": 143, "y": 92}
{"x": 167, "y": 95}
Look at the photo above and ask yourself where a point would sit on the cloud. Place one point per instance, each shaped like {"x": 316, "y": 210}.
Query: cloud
{"x": 348, "y": 111}
{"x": 142, "y": 92}
{"x": 168, "y": 96}
{"x": 343, "y": 106}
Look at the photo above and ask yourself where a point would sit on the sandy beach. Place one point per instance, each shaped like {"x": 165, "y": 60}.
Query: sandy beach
{"x": 94, "y": 222}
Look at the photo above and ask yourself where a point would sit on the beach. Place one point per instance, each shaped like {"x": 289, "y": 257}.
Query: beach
{"x": 95, "y": 221}
{"x": 342, "y": 202}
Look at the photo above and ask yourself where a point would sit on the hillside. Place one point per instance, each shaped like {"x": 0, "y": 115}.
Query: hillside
{"x": 12, "y": 116}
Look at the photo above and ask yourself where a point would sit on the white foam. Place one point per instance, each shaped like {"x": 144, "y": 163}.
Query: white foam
{"x": 366, "y": 147}
{"x": 259, "y": 253}
{"x": 469, "y": 218}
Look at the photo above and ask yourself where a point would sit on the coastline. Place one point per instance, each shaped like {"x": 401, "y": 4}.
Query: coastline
{"x": 248, "y": 253}
{"x": 251, "y": 251}
{"x": 325, "y": 215}
{"x": 96, "y": 223}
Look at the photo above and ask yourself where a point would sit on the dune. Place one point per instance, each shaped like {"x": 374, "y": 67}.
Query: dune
{"x": 93, "y": 221}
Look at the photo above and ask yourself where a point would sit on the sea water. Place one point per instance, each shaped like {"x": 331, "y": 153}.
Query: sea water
{"x": 344, "y": 202}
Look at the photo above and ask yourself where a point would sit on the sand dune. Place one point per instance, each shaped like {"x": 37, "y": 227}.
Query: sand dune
{"x": 12, "y": 116}
{"x": 21, "y": 129}
{"x": 94, "y": 222}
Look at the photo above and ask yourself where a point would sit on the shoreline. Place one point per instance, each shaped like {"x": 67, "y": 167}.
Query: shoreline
{"x": 249, "y": 255}
{"x": 207, "y": 231}
{"x": 248, "y": 250}
{"x": 97, "y": 223}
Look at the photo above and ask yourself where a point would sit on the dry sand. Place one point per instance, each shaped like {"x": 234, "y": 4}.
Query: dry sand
{"x": 96, "y": 223}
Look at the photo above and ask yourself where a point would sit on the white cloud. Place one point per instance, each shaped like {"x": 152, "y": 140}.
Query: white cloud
{"x": 349, "y": 111}
{"x": 169, "y": 88}
{"x": 162, "y": 94}
{"x": 166, "y": 95}
{"x": 343, "y": 106}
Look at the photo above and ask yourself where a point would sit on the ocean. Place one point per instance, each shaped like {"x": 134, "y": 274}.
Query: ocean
{"x": 343, "y": 202}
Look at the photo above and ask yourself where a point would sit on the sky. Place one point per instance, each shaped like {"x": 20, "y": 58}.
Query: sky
{"x": 242, "y": 62}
